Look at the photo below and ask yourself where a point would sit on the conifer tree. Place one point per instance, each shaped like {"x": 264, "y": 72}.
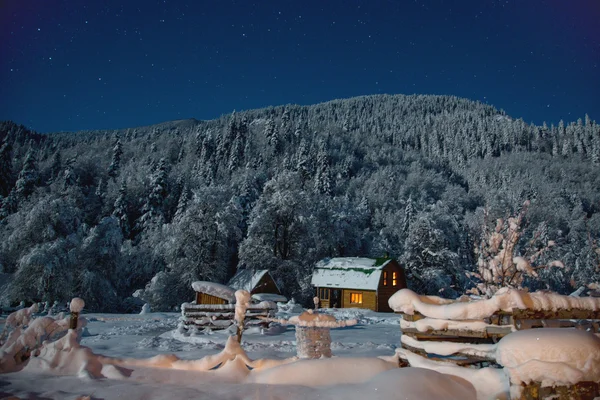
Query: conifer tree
{"x": 115, "y": 164}
{"x": 28, "y": 176}
{"x": 120, "y": 211}
{"x": 153, "y": 212}
{"x": 6, "y": 178}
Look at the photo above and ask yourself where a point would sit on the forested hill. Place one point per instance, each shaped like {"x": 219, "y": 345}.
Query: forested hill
{"x": 101, "y": 214}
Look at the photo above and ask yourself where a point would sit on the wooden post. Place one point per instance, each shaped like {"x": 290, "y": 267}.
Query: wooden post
{"x": 73, "y": 320}
{"x": 76, "y": 306}
{"x": 242, "y": 298}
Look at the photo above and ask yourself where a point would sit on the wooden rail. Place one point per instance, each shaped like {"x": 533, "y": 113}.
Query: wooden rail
{"x": 221, "y": 316}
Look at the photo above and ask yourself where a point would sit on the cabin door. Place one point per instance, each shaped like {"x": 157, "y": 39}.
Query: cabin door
{"x": 336, "y": 298}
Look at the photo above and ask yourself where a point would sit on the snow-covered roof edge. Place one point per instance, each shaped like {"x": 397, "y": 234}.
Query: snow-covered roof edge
{"x": 359, "y": 264}
{"x": 247, "y": 279}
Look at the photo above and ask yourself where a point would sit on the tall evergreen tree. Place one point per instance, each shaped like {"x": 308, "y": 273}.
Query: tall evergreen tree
{"x": 28, "y": 176}
{"x": 322, "y": 176}
{"x": 153, "y": 210}
{"x": 120, "y": 211}
{"x": 6, "y": 178}
{"x": 115, "y": 164}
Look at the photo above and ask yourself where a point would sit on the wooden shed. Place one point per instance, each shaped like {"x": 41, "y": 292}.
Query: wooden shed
{"x": 356, "y": 282}
{"x": 213, "y": 293}
{"x": 254, "y": 281}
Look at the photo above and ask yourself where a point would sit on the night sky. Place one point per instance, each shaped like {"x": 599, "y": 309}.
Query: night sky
{"x": 76, "y": 64}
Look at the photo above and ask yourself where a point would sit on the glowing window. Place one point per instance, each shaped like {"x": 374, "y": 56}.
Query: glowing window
{"x": 356, "y": 298}
{"x": 394, "y": 281}
{"x": 384, "y": 278}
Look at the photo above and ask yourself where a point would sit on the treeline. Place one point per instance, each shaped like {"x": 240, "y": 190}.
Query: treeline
{"x": 101, "y": 214}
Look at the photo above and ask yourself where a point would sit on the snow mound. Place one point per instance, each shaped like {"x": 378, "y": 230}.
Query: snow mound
{"x": 408, "y": 384}
{"x": 66, "y": 357}
{"x": 291, "y": 307}
{"x": 322, "y": 372}
{"x": 505, "y": 299}
{"x": 550, "y": 356}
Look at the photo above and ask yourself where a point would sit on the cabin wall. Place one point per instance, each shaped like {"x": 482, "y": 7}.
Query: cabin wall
{"x": 203, "y": 298}
{"x": 369, "y": 299}
{"x": 385, "y": 291}
{"x": 266, "y": 285}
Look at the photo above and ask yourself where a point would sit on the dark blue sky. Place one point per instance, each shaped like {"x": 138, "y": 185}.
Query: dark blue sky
{"x": 71, "y": 65}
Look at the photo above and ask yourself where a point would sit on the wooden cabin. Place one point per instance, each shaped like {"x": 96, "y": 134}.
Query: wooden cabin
{"x": 254, "y": 281}
{"x": 213, "y": 293}
{"x": 356, "y": 282}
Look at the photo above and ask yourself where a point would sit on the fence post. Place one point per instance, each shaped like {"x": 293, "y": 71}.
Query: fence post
{"x": 75, "y": 307}
{"x": 242, "y": 298}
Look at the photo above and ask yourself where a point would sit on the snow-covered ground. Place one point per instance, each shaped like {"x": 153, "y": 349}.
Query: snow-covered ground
{"x": 146, "y": 357}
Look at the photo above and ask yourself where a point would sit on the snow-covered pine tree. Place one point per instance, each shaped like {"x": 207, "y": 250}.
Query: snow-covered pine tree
{"x": 28, "y": 176}
{"x": 115, "y": 163}
{"x": 6, "y": 178}
{"x": 120, "y": 211}
{"x": 323, "y": 183}
{"x": 152, "y": 211}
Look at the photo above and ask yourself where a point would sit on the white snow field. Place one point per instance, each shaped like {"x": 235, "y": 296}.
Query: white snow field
{"x": 146, "y": 357}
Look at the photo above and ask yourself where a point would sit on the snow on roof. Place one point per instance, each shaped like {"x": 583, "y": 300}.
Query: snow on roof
{"x": 505, "y": 299}
{"x": 348, "y": 272}
{"x": 551, "y": 356}
{"x": 247, "y": 279}
{"x": 214, "y": 289}
{"x": 277, "y": 298}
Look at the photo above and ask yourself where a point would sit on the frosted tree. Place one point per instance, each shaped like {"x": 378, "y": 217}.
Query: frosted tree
{"x": 99, "y": 256}
{"x": 302, "y": 161}
{"x": 115, "y": 163}
{"x": 272, "y": 134}
{"x": 46, "y": 273}
{"x": 28, "y": 176}
{"x": 409, "y": 213}
{"x": 322, "y": 182}
{"x": 182, "y": 203}
{"x": 120, "y": 211}
{"x": 500, "y": 263}
{"x": 152, "y": 212}
{"x": 56, "y": 166}
{"x": 286, "y": 127}
{"x": 6, "y": 178}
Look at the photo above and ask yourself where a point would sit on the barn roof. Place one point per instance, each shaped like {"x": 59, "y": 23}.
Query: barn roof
{"x": 247, "y": 279}
{"x": 214, "y": 289}
{"x": 348, "y": 273}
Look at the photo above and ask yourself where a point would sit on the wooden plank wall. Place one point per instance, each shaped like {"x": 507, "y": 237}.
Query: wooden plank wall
{"x": 369, "y": 299}
{"x": 203, "y": 298}
{"x": 385, "y": 292}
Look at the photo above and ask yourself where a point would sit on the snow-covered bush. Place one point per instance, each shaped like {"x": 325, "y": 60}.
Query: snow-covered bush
{"x": 24, "y": 335}
{"x": 500, "y": 262}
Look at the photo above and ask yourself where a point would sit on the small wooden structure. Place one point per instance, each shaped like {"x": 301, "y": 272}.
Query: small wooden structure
{"x": 213, "y": 293}
{"x": 355, "y": 282}
{"x": 254, "y": 281}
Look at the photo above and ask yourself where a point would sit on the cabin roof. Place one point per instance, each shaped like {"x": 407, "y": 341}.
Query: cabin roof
{"x": 214, "y": 289}
{"x": 349, "y": 273}
{"x": 247, "y": 279}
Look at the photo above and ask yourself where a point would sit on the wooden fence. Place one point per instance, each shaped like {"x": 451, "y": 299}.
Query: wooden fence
{"x": 221, "y": 316}
{"x": 490, "y": 331}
